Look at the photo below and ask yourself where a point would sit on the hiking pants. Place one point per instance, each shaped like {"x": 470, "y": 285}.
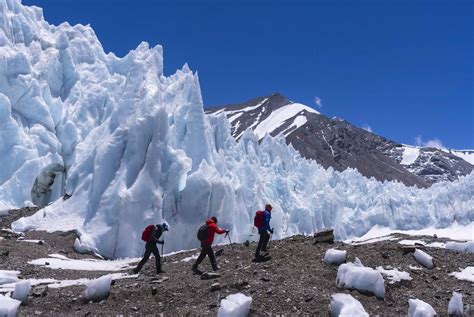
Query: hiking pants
{"x": 262, "y": 243}
{"x": 206, "y": 249}
{"x": 150, "y": 248}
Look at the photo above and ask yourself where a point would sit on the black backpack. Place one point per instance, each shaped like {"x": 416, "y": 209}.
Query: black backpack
{"x": 202, "y": 232}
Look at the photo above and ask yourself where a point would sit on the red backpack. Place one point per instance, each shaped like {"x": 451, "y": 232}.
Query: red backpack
{"x": 147, "y": 233}
{"x": 258, "y": 219}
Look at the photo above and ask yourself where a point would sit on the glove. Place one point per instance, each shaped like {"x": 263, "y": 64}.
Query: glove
{"x": 271, "y": 231}
{"x": 227, "y": 231}
{"x": 161, "y": 242}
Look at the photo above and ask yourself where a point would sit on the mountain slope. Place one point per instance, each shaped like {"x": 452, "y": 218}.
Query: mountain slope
{"x": 338, "y": 144}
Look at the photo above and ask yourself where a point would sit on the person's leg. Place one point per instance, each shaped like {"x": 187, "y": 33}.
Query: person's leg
{"x": 266, "y": 238}
{"x": 259, "y": 245}
{"x": 201, "y": 257}
{"x": 156, "y": 253}
{"x": 145, "y": 258}
{"x": 212, "y": 258}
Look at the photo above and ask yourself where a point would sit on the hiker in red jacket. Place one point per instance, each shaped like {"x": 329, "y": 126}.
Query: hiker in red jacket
{"x": 207, "y": 237}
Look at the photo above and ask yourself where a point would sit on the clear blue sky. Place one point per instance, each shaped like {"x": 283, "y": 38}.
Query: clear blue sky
{"x": 404, "y": 68}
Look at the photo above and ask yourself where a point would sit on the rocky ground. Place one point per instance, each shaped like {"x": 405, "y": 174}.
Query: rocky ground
{"x": 294, "y": 281}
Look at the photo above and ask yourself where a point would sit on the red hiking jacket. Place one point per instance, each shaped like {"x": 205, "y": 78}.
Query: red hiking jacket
{"x": 212, "y": 229}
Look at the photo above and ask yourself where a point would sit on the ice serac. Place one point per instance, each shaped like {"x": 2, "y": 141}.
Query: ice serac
{"x": 134, "y": 147}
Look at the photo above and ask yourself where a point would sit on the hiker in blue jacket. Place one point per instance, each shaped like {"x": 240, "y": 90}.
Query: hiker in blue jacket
{"x": 150, "y": 247}
{"x": 264, "y": 232}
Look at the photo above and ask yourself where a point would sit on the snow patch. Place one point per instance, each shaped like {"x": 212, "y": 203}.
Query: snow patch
{"x": 279, "y": 117}
{"x": 394, "y": 275}
{"x": 419, "y": 308}
{"x": 8, "y": 306}
{"x": 7, "y": 276}
{"x": 344, "y": 305}
{"x": 335, "y": 257}
{"x": 410, "y": 154}
{"x": 423, "y": 258}
{"x": 455, "y": 306}
{"x": 461, "y": 246}
{"x": 57, "y": 261}
{"x": 235, "y": 305}
{"x": 466, "y": 274}
{"x": 22, "y": 289}
{"x": 98, "y": 289}
{"x": 355, "y": 276}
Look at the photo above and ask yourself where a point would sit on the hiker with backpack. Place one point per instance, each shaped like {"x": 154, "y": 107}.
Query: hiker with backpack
{"x": 151, "y": 235}
{"x": 262, "y": 222}
{"x": 206, "y": 235}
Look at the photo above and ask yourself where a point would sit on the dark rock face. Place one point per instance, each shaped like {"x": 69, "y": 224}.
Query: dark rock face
{"x": 338, "y": 144}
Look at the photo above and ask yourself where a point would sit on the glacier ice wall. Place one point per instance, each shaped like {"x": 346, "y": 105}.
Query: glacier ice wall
{"x": 137, "y": 148}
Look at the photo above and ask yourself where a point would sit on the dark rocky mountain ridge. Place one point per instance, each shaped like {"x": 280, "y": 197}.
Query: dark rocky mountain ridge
{"x": 338, "y": 144}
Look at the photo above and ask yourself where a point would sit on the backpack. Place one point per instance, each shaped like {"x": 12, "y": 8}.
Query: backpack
{"x": 147, "y": 233}
{"x": 202, "y": 232}
{"x": 258, "y": 219}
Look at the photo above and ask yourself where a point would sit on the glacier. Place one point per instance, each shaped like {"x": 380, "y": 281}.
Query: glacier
{"x": 131, "y": 146}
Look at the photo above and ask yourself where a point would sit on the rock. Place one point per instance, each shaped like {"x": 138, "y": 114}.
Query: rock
{"x": 308, "y": 298}
{"x": 435, "y": 236}
{"x": 215, "y": 287}
{"x": 134, "y": 308}
{"x": 209, "y": 275}
{"x": 46, "y": 263}
{"x": 265, "y": 279}
{"x": 324, "y": 236}
{"x": 385, "y": 255}
{"x": 154, "y": 290}
{"x": 5, "y": 253}
{"x": 37, "y": 312}
{"x": 219, "y": 252}
{"x": 40, "y": 291}
{"x": 40, "y": 242}
{"x": 247, "y": 243}
{"x": 159, "y": 280}
{"x": 407, "y": 249}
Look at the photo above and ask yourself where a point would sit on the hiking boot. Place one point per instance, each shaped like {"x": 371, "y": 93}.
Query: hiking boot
{"x": 215, "y": 268}
{"x": 195, "y": 269}
{"x": 160, "y": 272}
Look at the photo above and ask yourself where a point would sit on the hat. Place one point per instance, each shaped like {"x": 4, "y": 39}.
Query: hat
{"x": 214, "y": 219}
{"x": 268, "y": 207}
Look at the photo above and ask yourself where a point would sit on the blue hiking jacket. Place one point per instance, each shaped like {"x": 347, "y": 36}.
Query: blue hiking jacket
{"x": 266, "y": 222}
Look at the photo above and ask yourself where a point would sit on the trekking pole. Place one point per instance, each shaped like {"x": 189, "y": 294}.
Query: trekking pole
{"x": 268, "y": 244}
{"x": 162, "y": 248}
{"x": 231, "y": 245}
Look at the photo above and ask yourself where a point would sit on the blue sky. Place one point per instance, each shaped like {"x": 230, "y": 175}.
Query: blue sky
{"x": 403, "y": 68}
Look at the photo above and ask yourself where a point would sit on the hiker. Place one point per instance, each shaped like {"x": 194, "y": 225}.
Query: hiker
{"x": 151, "y": 235}
{"x": 262, "y": 222}
{"x": 206, "y": 236}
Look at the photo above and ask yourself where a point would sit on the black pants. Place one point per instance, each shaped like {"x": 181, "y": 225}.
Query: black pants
{"x": 262, "y": 243}
{"x": 150, "y": 248}
{"x": 206, "y": 249}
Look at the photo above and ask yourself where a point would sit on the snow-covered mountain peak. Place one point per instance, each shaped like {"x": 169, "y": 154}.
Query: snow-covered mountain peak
{"x": 272, "y": 115}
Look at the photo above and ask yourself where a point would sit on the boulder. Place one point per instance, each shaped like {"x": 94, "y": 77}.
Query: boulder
{"x": 324, "y": 236}
{"x": 209, "y": 275}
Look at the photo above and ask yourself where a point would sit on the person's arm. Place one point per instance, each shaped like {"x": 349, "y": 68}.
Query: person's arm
{"x": 266, "y": 222}
{"x": 220, "y": 231}
{"x": 156, "y": 236}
